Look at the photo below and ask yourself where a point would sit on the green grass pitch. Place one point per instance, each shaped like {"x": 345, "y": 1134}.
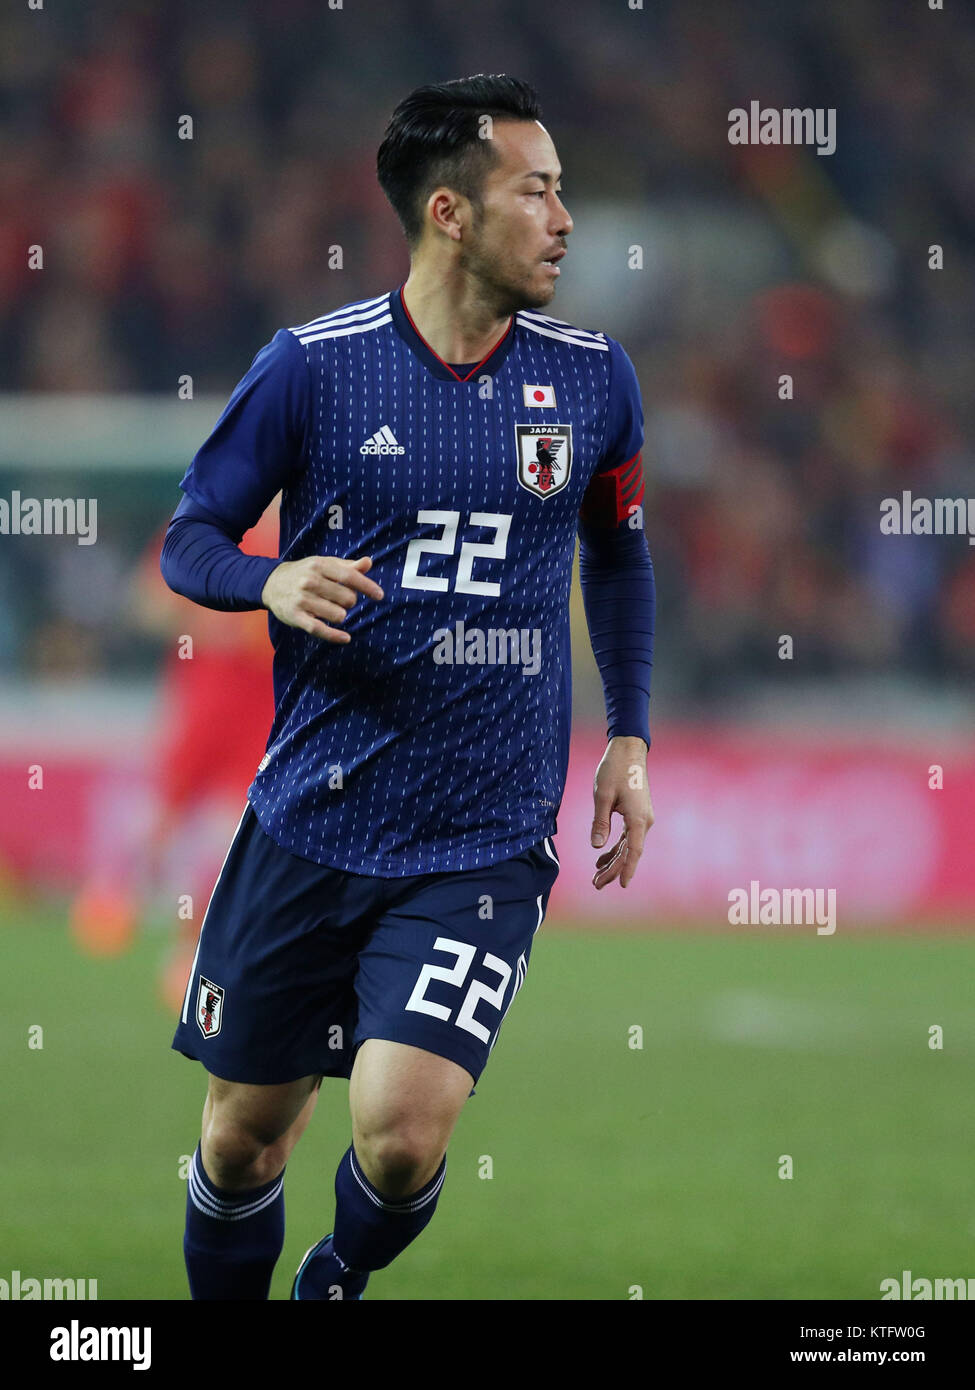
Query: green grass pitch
{"x": 613, "y": 1166}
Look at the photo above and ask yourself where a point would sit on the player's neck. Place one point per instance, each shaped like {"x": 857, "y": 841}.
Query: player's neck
{"x": 451, "y": 314}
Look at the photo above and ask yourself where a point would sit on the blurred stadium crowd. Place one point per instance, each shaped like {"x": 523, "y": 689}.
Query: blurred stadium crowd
{"x": 164, "y": 256}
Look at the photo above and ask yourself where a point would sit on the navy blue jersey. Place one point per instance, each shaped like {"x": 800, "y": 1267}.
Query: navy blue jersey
{"x": 438, "y": 738}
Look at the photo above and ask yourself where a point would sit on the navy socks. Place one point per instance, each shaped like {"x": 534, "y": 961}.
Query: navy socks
{"x": 233, "y": 1239}
{"x": 370, "y": 1231}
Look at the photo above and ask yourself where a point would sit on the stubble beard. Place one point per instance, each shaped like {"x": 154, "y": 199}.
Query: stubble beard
{"x": 503, "y": 295}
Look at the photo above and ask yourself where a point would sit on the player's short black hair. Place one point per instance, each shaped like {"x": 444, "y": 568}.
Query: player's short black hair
{"x": 434, "y": 137}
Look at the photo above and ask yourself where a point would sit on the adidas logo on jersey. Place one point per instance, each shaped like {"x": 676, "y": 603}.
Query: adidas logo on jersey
{"x": 382, "y": 442}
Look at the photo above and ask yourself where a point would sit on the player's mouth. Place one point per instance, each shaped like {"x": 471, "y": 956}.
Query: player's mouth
{"x": 551, "y": 262}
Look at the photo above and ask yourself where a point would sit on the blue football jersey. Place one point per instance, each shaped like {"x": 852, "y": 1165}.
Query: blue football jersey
{"x": 437, "y": 739}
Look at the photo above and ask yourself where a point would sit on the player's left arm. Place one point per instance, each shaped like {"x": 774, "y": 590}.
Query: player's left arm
{"x": 616, "y": 575}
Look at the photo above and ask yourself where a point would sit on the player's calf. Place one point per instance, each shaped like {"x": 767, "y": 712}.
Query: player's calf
{"x": 405, "y": 1102}
{"x": 235, "y": 1194}
{"x": 371, "y": 1229}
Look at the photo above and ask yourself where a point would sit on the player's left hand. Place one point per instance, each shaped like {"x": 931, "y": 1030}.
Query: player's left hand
{"x": 621, "y": 785}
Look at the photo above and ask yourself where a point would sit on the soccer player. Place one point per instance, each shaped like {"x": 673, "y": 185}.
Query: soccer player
{"x": 437, "y": 449}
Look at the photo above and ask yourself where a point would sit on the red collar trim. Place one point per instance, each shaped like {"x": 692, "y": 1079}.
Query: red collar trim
{"x": 446, "y": 365}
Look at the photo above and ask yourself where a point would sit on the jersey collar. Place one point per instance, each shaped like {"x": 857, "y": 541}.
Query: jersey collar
{"x": 409, "y": 332}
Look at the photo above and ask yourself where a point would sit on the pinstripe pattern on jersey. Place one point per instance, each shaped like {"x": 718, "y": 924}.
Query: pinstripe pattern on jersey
{"x": 381, "y": 760}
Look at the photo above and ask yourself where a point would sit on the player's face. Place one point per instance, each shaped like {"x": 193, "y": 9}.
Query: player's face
{"x": 523, "y": 224}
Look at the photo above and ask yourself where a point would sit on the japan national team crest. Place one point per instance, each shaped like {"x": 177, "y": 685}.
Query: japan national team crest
{"x": 209, "y": 1008}
{"x": 544, "y": 458}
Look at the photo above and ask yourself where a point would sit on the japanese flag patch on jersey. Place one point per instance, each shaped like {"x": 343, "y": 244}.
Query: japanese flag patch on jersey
{"x": 544, "y": 458}
{"x": 539, "y": 396}
{"x": 209, "y": 1007}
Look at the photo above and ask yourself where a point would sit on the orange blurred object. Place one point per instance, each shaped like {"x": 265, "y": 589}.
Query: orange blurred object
{"x": 103, "y": 919}
{"x": 175, "y": 973}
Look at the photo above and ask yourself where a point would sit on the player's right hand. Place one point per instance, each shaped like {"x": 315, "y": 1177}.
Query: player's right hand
{"x": 316, "y": 592}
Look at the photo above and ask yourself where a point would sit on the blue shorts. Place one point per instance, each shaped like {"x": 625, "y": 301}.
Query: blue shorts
{"x": 297, "y": 963}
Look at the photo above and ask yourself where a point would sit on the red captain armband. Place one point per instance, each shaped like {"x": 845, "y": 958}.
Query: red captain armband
{"x": 611, "y": 496}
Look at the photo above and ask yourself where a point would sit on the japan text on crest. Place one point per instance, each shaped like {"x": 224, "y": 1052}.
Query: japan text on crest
{"x": 544, "y": 457}
{"x": 209, "y": 1008}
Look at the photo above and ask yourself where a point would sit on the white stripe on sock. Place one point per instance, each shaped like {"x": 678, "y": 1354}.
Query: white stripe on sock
{"x": 406, "y": 1207}
{"x": 219, "y": 1208}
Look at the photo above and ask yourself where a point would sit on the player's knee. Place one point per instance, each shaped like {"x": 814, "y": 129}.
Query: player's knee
{"x": 240, "y": 1156}
{"x": 399, "y": 1161}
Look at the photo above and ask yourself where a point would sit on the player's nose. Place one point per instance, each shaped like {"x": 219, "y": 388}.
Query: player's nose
{"x": 563, "y": 222}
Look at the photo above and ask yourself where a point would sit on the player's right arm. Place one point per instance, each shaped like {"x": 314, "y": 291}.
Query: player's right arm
{"x": 316, "y": 592}
{"x": 258, "y": 446}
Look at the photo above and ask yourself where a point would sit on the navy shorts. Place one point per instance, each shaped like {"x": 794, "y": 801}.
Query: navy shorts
{"x": 297, "y": 963}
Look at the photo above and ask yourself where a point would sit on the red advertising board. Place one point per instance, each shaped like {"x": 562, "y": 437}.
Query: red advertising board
{"x": 732, "y": 807}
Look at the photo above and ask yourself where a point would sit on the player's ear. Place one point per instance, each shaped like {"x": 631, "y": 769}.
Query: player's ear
{"x": 446, "y": 210}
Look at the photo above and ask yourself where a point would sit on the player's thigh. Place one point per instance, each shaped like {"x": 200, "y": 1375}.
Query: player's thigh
{"x": 271, "y": 996}
{"x": 447, "y": 958}
{"x": 237, "y": 1111}
{"x": 406, "y": 1096}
